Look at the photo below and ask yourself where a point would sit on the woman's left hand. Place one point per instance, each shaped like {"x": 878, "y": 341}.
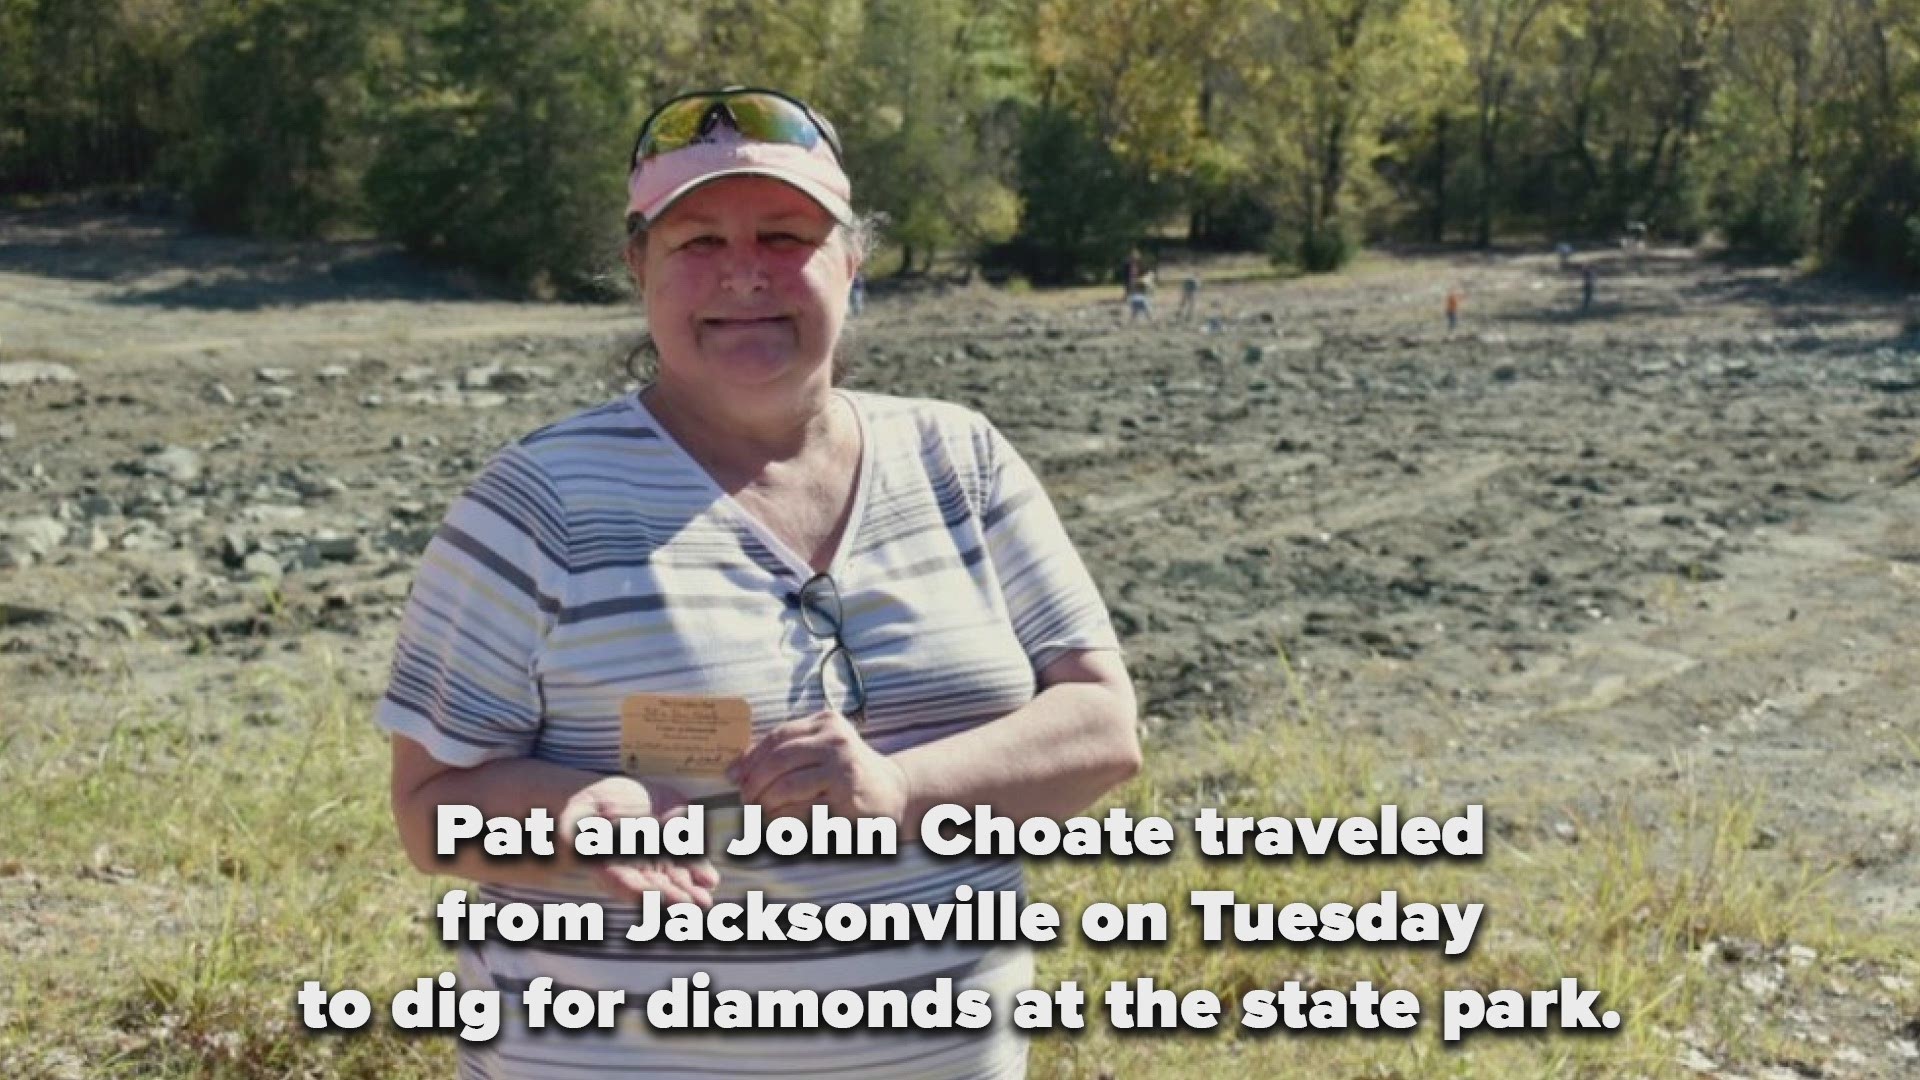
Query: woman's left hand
{"x": 820, "y": 759}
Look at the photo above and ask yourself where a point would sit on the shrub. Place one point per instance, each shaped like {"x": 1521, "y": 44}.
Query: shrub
{"x": 1322, "y": 250}
{"x": 1775, "y": 225}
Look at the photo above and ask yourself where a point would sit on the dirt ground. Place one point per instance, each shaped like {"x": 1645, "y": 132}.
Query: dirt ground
{"x": 1596, "y": 550}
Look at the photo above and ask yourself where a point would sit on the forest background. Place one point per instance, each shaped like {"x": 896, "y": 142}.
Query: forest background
{"x": 1043, "y": 138}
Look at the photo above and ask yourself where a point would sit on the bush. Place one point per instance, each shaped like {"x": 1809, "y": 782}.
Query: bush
{"x": 1322, "y": 250}
{"x": 1882, "y": 231}
{"x": 1777, "y": 226}
{"x": 1236, "y": 220}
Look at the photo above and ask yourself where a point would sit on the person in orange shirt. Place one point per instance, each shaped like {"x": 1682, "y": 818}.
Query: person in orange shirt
{"x": 1453, "y": 309}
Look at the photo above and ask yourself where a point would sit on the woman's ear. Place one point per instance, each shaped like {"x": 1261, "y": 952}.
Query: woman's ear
{"x": 854, "y": 261}
{"x": 634, "y": 253}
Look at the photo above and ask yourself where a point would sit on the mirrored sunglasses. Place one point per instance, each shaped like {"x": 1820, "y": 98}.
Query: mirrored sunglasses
{"x": 758, "y": 114}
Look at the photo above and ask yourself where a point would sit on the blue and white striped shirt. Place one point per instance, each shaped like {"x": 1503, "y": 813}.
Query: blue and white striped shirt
{"x": 595, "y": 559}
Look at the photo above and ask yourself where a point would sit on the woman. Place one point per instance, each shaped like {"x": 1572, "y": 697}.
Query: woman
{"x": 881, "y": 580}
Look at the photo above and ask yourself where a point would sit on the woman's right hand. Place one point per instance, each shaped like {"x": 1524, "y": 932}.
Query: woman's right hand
{"x": 615, "y": 797}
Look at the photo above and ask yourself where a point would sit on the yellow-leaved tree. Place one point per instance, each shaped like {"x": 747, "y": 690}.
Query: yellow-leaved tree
{"x": 1318, "y": 88}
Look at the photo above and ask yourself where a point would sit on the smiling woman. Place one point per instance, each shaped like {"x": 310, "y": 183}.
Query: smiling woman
{"x": 746, "y": 280}
{"x": 861, "y": 236}
{"x": 817, "y": 598}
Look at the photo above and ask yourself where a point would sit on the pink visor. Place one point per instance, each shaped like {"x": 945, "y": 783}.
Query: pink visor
{"x": 659, "y": 181}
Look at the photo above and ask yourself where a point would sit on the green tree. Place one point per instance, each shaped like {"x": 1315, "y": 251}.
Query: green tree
{"x": 1082, "y": 204}
{"x": 275, "y": 139}
{"x": 922, "y": 142}
{"x": 1324, "y": 81}
{"x": 87, "y": 90}
{"x": 1504, "y": 42}
{"x": 1873, "y": 178}
{"x": 1626, "y": 95}
{"x": 1131, "y": 81}
{"x": 1764, "y": 143}
{"x": 505, "y": 149}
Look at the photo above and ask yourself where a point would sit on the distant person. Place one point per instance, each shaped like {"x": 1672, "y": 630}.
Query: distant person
{"x": 1138, "y": 306}
{"x": 1565, "y": 251}
{"x": 857, "y": 293}
{"x": 1586, "y": 290}
{"x": 1189, "y": 297}
{"x": 1453, "y": 309}
{"x": 1134, "y": 268}
{"x": 798, "y": 559}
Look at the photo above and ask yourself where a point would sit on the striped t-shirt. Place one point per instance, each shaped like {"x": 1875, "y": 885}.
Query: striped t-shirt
{"x": 595, "y": 559}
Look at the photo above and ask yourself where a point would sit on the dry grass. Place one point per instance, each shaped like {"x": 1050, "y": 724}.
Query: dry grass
{"x": 1631, "y": 909}
{"x": 170, "y": 878}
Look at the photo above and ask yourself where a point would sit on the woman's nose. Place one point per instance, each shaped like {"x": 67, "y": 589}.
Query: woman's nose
{"x": 743, "y": 270}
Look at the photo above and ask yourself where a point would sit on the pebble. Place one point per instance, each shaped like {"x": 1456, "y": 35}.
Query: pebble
{"x": 37, "y": 536}
{"x": 176, "y": 463}
{"x": 235, "y": 546}
{"x": 1696, "y": 1061}
{"x": 323, "y": 549}
{"x": 97, "y": 506}
{"x": 1893, "y": 381}
{"x": 261, "y": 565}
{"x": 12, "y": 614}
{"x": 146, "y": 536}
{"x": 1761, "y": 984}
{"x": 218, "y": 394}
{"x": 17, "y": 373}
{"x": 7, "y": 431}
{"x": 273, "y": 374}
{"x": 323, "y": 487}
{"x": 332, "y": 373}
{"x": 273, "y": 512}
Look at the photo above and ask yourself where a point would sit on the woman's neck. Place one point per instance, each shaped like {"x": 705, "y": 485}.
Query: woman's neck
{"x": 737, "y": 436}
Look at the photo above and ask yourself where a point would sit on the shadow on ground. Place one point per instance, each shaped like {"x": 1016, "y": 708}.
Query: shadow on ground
{"x": 153, "y": 260}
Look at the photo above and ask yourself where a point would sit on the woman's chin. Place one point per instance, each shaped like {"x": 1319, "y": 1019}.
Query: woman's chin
{"x": 755, "y": 366}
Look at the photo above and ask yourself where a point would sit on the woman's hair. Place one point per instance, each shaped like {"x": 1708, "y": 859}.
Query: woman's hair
{"x": 862, "y": 237}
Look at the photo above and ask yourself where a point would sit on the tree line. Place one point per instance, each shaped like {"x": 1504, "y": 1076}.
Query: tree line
{"x": 1044, "y": 137}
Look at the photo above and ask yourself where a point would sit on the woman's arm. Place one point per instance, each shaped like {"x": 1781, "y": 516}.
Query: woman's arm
{"x": 1050, "y": 758}
{"x": 514, "y": 787}
{"x": 1074, "y": 742}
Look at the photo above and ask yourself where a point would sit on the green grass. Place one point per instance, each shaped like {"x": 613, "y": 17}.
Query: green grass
{"x": 190, "y": 871}
{"x": 171, "y": 877}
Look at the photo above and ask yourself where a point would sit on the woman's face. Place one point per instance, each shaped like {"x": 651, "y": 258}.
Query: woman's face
{"x": 746, "y": 285}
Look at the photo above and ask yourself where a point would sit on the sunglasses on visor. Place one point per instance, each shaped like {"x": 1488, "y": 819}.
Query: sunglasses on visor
{"x": 758, "y": 114}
